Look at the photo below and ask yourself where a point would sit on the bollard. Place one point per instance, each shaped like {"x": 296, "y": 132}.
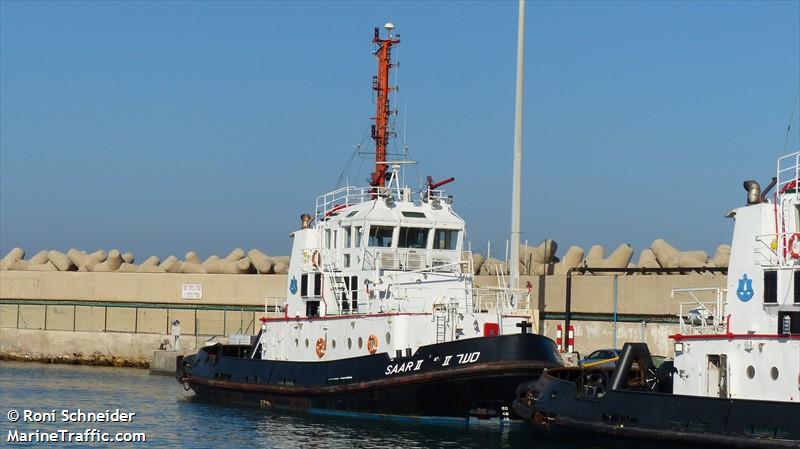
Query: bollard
{"x": 176, "y": 335}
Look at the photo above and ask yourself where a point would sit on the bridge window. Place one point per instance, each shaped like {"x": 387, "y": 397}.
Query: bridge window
{"x": 771, "y": 287}
{"x": 797, "y": 287}
{"x": 357, "y": 241}
{"x": 348, "y": 235}
{"x": 445, "y": 239}
{"x": 328, "y": 238}
{"x": 412, "y": 214}
{"x": 380, "y": 236}
{"x": 413, "y": 238}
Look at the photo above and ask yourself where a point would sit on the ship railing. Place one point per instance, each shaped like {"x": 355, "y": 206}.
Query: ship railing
{"x": 422, "y": 261}
{"x": 773, "y": 251}
{"x": 788, "y": 173}
{"x": 508, "y": 301}
{"x": 274, "y": 306}
{"x": 333, "y": 201}
{"x": 703, "y": 312}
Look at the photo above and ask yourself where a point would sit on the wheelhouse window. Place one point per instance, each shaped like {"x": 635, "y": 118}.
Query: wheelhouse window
{"x": 380, "y": 236}
{"x": 358, "y": 231}
{"x": 348, "y": 235}
{"x": 445, "y": 239}
{"x": 413, "y": 238}
{"x": 327, "y": 238}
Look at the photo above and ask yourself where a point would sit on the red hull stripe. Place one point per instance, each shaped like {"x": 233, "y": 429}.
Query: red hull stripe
{"x": 731, "y": 336}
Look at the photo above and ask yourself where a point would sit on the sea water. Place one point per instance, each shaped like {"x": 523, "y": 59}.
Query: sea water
{"x": 78, "y": 405}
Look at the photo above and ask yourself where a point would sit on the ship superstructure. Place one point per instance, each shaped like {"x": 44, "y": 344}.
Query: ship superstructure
{"x": 753, "y": 351}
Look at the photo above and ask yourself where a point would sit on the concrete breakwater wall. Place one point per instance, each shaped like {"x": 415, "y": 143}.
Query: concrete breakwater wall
{"x": 96, "y": 316}
{"x": 236, "y": 262}
{"x": 533, "y": 260}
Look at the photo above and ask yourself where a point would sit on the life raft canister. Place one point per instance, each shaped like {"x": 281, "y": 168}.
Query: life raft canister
{"x": 321, "y": 346}
{"x": 372, "y": 344}
{"x": 792, "y": 251}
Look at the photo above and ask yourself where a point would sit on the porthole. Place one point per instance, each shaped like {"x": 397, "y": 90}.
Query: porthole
{"x": 388, "y": 338}
{"x": 360, "y": 342}
{"x": 306, "y": 342}
{"x": 349, "y": 343}
{"x": 751, "y": 372}
{"x": 296, "y": 342}
{"x": 333, "y": 344}
{"x": 774, "y": 373}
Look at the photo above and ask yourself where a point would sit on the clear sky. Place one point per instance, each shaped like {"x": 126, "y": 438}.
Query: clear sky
{"x": 162, "y": 127}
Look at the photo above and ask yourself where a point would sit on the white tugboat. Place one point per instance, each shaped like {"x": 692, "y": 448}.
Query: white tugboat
{"x": 380, "y": 314}
{"x": 735, "y": 379}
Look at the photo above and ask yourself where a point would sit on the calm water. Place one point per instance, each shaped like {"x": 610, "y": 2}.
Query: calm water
{"x": 172, "y": 417}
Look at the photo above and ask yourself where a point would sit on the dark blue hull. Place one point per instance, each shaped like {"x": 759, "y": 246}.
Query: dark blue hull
{"x": 557, "y": 404}
{"x": 474, "y": 378}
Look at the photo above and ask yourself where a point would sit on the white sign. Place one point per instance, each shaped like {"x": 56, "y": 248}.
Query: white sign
{"x": 192, "y": 291}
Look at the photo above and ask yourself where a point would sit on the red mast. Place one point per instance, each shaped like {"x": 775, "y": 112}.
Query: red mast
{"x": 380, "y": 83}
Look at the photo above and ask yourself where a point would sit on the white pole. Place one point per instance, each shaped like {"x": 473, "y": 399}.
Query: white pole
{"x": 489, "y": 249}
{"x": 506, "y": 252}
{"x": 517, "y": 179}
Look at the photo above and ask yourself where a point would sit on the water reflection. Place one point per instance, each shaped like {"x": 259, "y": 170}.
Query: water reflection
{"x": 172, "y": 417}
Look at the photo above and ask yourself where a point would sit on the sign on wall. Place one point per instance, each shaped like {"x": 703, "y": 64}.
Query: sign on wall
{"x": 192, "y": 291}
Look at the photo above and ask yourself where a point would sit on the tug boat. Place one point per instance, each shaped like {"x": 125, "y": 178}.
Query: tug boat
{"x": 735, "y": 377}
{"x": 380, "y": 315}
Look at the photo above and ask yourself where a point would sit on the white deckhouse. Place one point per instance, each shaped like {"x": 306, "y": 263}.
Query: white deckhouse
{"x": 749, "y": 347}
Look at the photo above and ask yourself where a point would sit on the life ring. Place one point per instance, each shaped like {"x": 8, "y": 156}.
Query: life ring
{"x": 315, "y": 258}
{"x": 372, "y": 344}
{"x": 792, "y": 251}
{"x": 321, "y": 345}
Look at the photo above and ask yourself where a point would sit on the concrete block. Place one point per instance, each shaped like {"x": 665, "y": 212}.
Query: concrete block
{"x": 112, "y": 262}
{"x": 121, "y": 319}
{"x": 31, "y": 317}
{"x": 128, "y": 257}
{"x": 152, "y": 321}
{"x": 235, "y": 255}
{"x": 151, "y": 261}
{"x": 190, "y": 267}
{"x": 171, "y": 265}
{"x": 48, "y": 266}
{"x": 8, "y": 315}
{"x": 192, "y": 257}
{"x": 151, "y": 269}
{"x": 572, "y": 259}
{"x": 14, "y": 254}
{"x": 128, "y": 268}
{"x": 39, "y": 258}
{"x": 60, "y": 318}
{"x": 210, "y": 322}
{"x": 666, "y": 254}
{"x": 596, "y": 252}
{"x": 722, "y": 256}
{"x": 90, "y": 319}
{"x": 647, "y": 259}
{"x": 261, "y": 262}
{"x": 165, "y": 362}
{"x": 61, "y": 261}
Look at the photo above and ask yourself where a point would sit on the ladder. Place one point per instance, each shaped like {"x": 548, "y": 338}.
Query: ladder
{"x": 340, "y": 290}
{"x": 440, "y": 314}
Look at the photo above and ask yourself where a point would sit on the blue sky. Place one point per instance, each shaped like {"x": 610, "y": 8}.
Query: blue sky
{"x": 165, "y": 127}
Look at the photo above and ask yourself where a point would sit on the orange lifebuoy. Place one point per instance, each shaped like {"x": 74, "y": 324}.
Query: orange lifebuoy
{"x": 315, "y": 258}
{"x": 321, "y": 346}
{"x": 792, "y": 251}
{"x": 372, "y": 344}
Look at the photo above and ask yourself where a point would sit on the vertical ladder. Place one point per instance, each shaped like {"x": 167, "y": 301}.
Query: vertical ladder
{"x": 440, "y": 315}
